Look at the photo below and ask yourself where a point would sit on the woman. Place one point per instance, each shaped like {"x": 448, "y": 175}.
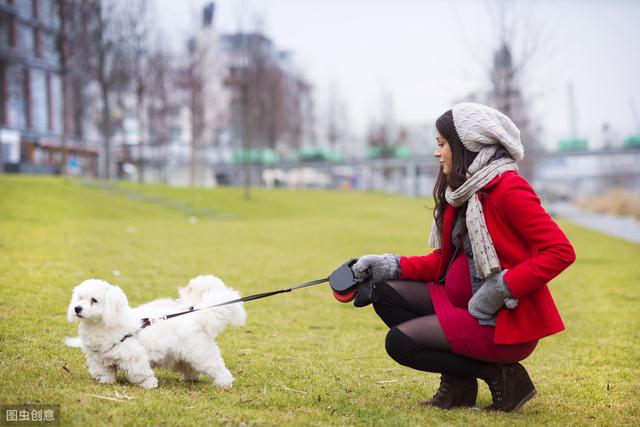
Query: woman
{"x": 486, "y": 303}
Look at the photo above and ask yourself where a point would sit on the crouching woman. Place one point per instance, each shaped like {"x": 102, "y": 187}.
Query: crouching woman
{"x": 478, "y": 304}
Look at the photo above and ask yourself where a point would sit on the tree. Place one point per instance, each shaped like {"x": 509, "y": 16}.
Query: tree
{"x": 103, "y": 49}
{"x": 304, "y": 105}
{"x": 518, "y": 45}
{"x": 62, "y": 47}
{"x": 383, "y": 134}
{"x": 78, "y": 77}
{"x": 72, "y": 51}
{"x": 138, "y": 49}
{"x": 336, "y": 121}
{"x": 159, "y": 85}
{"x": 200, "y": 79}
{"x": 251, "y": 77}
{"x": 195, "y": 80}
{"x": 254, "y": 48}
{"x": 271, "y": 101}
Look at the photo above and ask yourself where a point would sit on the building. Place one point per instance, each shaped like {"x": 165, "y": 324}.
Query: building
{"x": 31, "y": 92}
{"x": 50, "y": 109}
{"x": 263, "y": 83}
{"x": 205, "y": 113}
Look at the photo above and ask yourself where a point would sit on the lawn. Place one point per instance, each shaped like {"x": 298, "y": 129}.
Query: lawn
{"x": 302, "y": 358}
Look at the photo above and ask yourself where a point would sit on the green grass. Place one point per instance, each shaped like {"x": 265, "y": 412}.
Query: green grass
{"x": 302, "y": 358}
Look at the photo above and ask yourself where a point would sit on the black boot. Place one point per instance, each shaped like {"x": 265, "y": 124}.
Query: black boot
{"x": 510, "y": 386}
{"x": 454, "y": 392}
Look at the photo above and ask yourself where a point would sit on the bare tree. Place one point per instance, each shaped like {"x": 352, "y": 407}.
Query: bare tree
{"x": 201, "y": 82}
{"x": 3, "y": 114}
{"x": 72, "y": 50}
{"x": 194, "y": 80}
{"x": 383, "y": 133}
{"x": 79, "y": 98}
{"x": 62, "y": 47}
{"x": 159, "y": 85}
{"x": 138, "y": 40}
{"x": 336, "y": 121}
{"x": 282, "y": 96}
{"x": 304, "y": 97}
{"x": 105, "y": 55}
{"x": 299, "y": 116}
{"x": 271, "y": 103}
{"x": 519, "y": 43}
{"x": 253, "y": 50}
{"x": 248, "y": 75}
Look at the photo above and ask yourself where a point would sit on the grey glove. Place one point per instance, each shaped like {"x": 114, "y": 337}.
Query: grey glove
{"x": 378, "y": 268}
{"x": 492, "y": 295}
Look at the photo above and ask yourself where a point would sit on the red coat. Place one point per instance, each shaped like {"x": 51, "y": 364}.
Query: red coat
{"x": 528, "y": 243}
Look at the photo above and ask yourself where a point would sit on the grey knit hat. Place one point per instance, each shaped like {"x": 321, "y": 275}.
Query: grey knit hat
{"x": 478, "y": 126}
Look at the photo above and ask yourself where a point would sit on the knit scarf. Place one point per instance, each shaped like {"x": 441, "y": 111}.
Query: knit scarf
{"x": 481, "y": 171}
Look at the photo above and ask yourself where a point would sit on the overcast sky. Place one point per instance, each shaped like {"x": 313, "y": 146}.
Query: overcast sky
{"x": 429, "y": 54}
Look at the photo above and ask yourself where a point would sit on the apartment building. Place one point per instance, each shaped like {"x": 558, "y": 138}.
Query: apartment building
{"x": 32, "y": 92}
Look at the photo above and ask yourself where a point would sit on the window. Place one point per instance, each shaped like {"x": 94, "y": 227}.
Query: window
{"x": 25, "y": 8}
{"x": 26, "y": 37}
{"x": 49, "y": 101}
{"x": 34, "y": 8}
{"x": 5, "y": 29}
{"x": 49, "y": 47}
{"x": 37, "y": 37}
{"x": 13, "y": 32}
{"x": 15, "y": 95}
{"x": 48, "y": 13}
{"x": 26, "y": 87}
{"x": 4, "y": 117}
{"x": 39, "y": 101}
{"x": 55, "y": 103}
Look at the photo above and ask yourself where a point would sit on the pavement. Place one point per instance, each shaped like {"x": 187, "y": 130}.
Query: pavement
{"x": 626, "y": 228}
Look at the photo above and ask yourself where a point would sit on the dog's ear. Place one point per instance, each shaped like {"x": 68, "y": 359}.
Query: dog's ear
{"x": 71, "y": 313}
{"x": 115, "y": 305}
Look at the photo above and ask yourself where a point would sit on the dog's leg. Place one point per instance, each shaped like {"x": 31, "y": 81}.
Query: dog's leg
{"x": 188, "y": 373}
{"x": 100, "y": 370}
{"x": 135, "y": 364}
{"x": 210, "y": 362}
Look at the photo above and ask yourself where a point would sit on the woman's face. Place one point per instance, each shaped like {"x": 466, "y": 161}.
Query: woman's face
{"x": 443, "y": 153}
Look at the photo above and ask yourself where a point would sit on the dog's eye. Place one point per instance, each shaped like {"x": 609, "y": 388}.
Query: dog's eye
{"x": 93, "y": 300}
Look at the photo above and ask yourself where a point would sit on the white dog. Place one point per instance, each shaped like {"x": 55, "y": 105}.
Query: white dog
{"x": 185, "y": 343}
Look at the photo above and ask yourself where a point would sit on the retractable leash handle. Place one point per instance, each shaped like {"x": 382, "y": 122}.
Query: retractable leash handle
{"x": 346, "y": 287}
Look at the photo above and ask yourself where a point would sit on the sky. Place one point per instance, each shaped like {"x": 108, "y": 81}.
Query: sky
{"x": 429, "y": 54}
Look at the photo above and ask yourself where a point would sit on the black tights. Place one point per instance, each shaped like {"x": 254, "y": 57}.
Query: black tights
{"x": 415, "y": 337}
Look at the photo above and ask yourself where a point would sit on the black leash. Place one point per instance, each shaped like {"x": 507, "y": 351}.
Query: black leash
{"x": 149, "y": 321}
{"x": 341, "y": 281}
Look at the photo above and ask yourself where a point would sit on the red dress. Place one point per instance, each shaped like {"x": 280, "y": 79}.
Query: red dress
{"x": 466, "y": 336}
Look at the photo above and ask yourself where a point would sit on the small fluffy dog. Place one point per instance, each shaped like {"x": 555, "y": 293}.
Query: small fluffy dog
{"x": 185, "y": 343}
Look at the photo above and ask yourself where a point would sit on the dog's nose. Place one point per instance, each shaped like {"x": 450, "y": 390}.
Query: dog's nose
{"x": 78, "y": 308}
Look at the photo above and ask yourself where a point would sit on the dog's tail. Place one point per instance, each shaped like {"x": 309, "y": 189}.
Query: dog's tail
{"x": 74, "y": 342}
{"x": 204, "y": 291}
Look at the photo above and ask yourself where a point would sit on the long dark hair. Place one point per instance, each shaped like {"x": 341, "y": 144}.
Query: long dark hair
{"x": 461, "y": 158}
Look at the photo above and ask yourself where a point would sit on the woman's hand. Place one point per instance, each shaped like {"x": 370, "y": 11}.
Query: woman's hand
{"x": 377, "y": 268}
{"x": 492, "y": 295}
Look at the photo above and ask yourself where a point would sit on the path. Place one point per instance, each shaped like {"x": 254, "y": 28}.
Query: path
{"x": 626, "y": 228}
